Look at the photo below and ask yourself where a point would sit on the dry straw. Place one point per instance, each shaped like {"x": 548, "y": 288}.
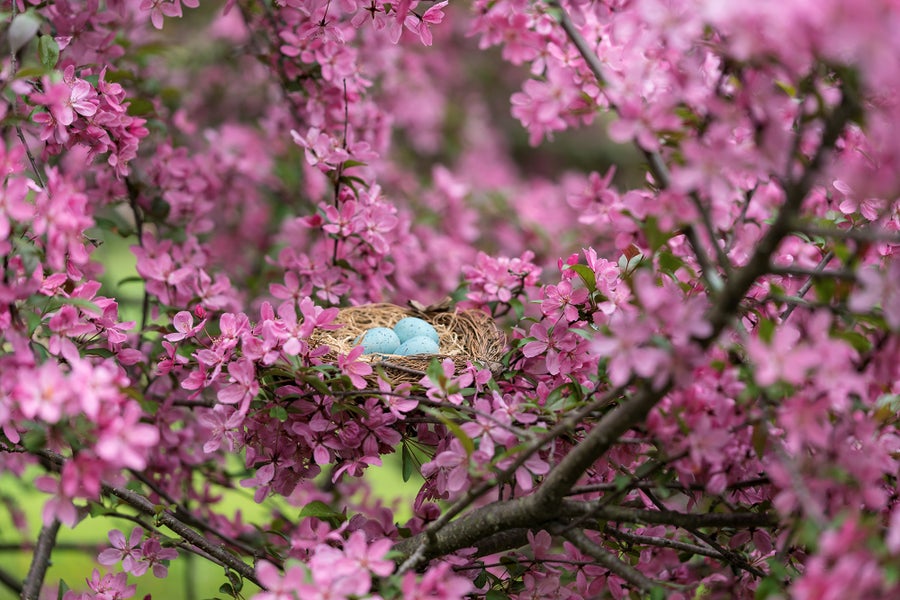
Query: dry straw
{"x": 465, "y": 336}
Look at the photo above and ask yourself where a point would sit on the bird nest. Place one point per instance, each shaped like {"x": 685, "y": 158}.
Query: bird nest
{"x": 465, "y": 336}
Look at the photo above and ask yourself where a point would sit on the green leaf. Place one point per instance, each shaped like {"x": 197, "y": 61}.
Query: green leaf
{"x": 587, "y": 276}
{"x": 48, "y": 51}
{"x": 353, "y": 163}
{"x": 517, "y": 307}
{"x": 140, "y": 107}
{"x": 435, "y": 372}
{"x": 95, "y": 509}
{"x": 859, "y": 342}
{"x": 317, "y": 384}
{"x": 655, "y": 237}
{"x": 34, "y": 440}
{"x": 115, "y": 224}
{"x": 495, "y": 595}
{"x": 101, "y": 352}
{"x": 22, "y": 30}
{"x": 766, "y": 329}
{"x": 759, "y": 439}
{"x": 278, "y": 412}
{"x": 320, "y": 510}
{"x": 63, "y": 588}
{"x": 467, "y": 443}
{"x": 657, "y": 593}
{"x": 787, "y": 88}
{"x": 407, "y": 462}
{"x": 768, "y": 587}
{"x": 32, "y": 72}
{"x": 668, "y": 262}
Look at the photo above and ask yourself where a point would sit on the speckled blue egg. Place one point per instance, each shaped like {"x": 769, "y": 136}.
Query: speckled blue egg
{"x": 417, "y": 345}
{"x": 380, "y": 340}
{"x": 411, "y": 327}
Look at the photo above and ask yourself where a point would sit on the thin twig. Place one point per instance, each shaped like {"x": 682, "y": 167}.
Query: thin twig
{"x": 858, "y": 234}
{"x": 733, "y": 558}
{"x": 817, "y": 272}
{"x": 182, "y": 512}
{"x": 11, "y": 582}
{"x": 167, "y": 518}
{"x": 14, "y": 68}
{"x": 663, "y": 516}
{"x": 607, "y": 487}
{"x": 650, "y": 540}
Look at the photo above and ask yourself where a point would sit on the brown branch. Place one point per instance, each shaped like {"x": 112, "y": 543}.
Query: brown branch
{"x": 182, "y": 512}
{"x": 818, "y": 272}
{"x": 40, "y": 562}
{"x": 733, "y": 558}
{"x": 729, "y": 299}
{"x": 606, "y": 559}
{"x": 165, "y": 517}
{"x": 621, "y": 514}
{"x": 601, "y": 438}
{"x": 417, "y": 545}
{"x": 650, "y": 540}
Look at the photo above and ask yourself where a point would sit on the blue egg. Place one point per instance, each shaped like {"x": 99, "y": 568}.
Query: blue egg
{"x": 411, "y": 327}
{"x": 380, "y": 340}
{"x": 417, "y": 345}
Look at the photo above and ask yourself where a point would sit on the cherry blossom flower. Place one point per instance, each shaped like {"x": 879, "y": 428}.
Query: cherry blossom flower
{"x": 128, "y": 552}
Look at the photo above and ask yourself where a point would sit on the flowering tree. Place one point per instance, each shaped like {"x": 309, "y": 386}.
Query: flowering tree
{"x": 700, "y": 392}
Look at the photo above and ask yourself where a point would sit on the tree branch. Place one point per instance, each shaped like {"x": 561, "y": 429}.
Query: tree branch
{"x": 190, "y": 518}
{"x": 601, "y": 438}
{"x": 863, "y": 234}
{"x": 165, "y": 517}
{"x": 650, "y": 540}
{"x": 606, "y": 559}
{"x": 40, "y": 561}
{"x": 728, "y": 301}
{"x": 621, "y": 514}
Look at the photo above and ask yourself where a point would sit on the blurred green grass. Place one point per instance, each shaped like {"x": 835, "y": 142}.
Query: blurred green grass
{"x": 190, "y": 577}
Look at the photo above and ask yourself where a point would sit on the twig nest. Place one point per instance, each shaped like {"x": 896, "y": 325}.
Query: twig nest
{"x": 463, "y": 336}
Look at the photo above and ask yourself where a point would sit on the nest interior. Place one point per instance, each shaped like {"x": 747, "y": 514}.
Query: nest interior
{"x": 465, "y": 336}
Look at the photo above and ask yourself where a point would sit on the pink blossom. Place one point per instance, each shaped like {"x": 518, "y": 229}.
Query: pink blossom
{"x": 183, "y": 322}
{"x": 156, "y": 557}
{"x": 127, "y": 552}
{"x": 355, "y": 369}
{"x": 243, "y": 386}
{"x": 279, "y": 587}
{"x": 436, "y": 584}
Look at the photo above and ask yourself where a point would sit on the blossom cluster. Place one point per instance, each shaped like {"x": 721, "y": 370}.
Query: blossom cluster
{"x": 699, "y": 389}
